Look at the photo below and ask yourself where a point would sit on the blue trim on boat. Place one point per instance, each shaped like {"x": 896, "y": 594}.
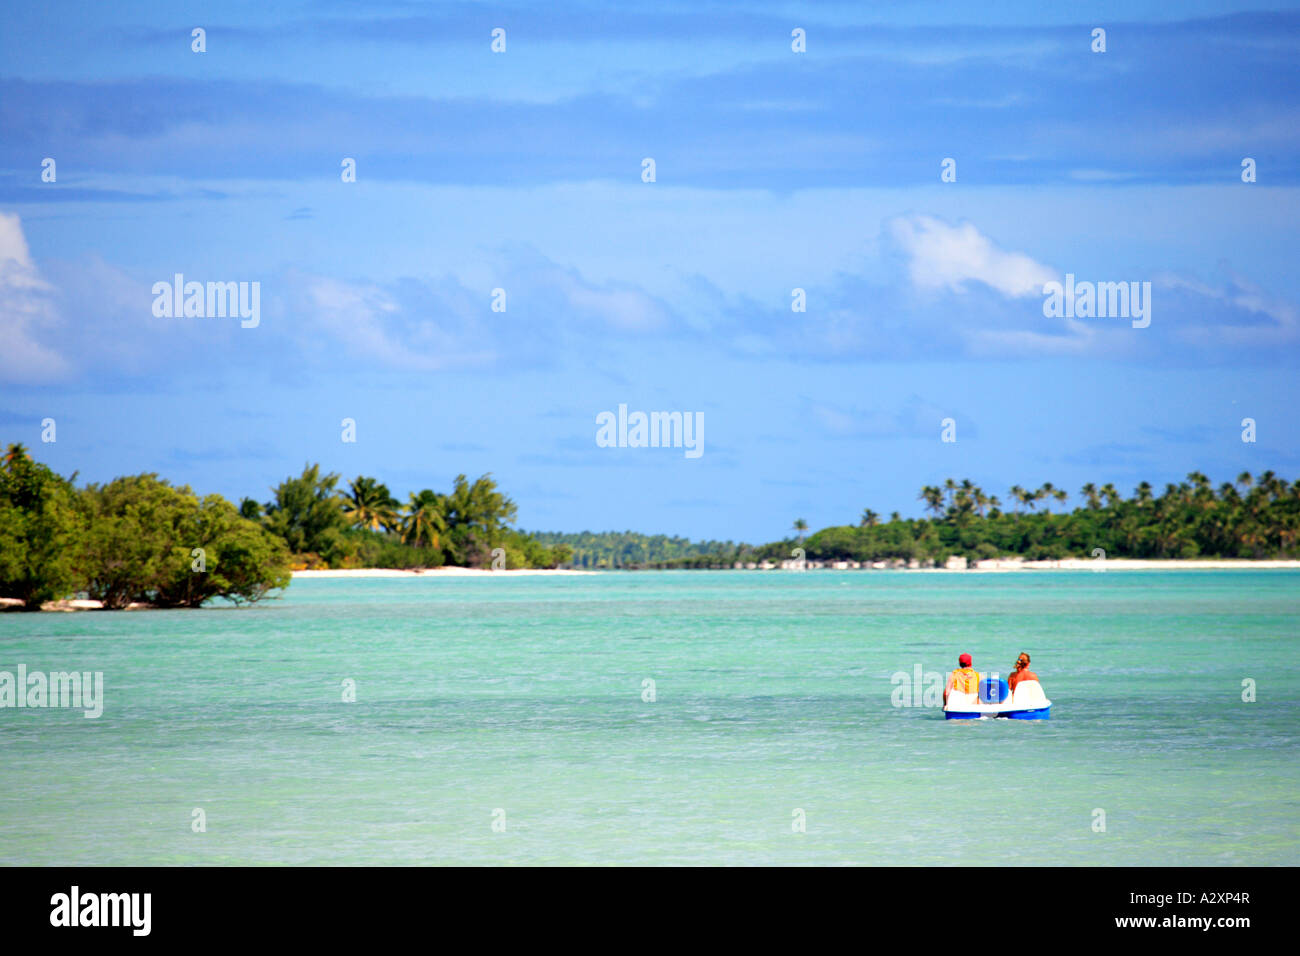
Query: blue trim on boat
{"x": 1041, "y": 713}
{"x": 1037, "y": 713}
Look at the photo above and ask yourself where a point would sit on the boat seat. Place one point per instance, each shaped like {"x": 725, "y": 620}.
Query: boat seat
{"x": 960, "y": 700}
{"x": 1028, "y": 694}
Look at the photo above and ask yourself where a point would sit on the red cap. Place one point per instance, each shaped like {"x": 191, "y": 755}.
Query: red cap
{"x": 964, "y": 660}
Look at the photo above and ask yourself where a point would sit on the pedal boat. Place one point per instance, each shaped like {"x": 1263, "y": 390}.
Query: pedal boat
{"x": 1026, "y": 702}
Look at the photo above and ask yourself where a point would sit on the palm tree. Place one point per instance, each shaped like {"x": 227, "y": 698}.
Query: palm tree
{"x": 476, "y": 515}
{"x": 1268, "y": 482}
{"x": 1110, "y": 493}
{"x": 1093, "y": 497}
{"x": 305, "y": 509}
{"x": 1171, "y": 491}
{"x": 1060, "y": 494}
{"x": 425, "y": 520}
{"x": 950, "y": 487}
{"x": 17, "y": 452}
{"x": 1245, "y": 480}
{"x": 1018, "y": 497}
{"x": 369, "y": 505}
{"x": 932, "y": 495}
{"x": 1203, "y": 495}
{"x": 870, "y": 519}
{"x": 1143, "y": 493}
{"x": 1048, "y": 490}
{"x": 800, "y": 526}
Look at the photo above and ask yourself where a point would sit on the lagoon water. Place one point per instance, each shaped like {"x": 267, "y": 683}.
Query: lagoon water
{"x": 773, "y": 695}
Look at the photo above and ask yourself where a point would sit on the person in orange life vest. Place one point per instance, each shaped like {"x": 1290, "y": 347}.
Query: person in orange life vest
{"x": 965, "y": 679}
{"x": 1022, "y": 672}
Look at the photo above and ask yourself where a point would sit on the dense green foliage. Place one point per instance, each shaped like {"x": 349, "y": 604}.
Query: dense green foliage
{"x": 1246, "y": 519}
{"x": 305, "y": 512}
{"x": 136, "y": 539}
{"x": 366, "y": 527}
{"x": 1249, "y": 518}
{"x": 139, "y": 539}
{"x": 129, "y": 537}
{"x": 40, "y": 527}
{"x": 147, "y": 541}
{"x": 627, "y": 549}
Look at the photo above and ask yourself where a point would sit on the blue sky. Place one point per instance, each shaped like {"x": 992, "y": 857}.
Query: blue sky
{"x": 775, "y": 170}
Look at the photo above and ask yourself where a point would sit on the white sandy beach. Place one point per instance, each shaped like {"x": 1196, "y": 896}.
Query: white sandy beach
{"x": 995, "y": 565}
{"x": 1127, "y": 564}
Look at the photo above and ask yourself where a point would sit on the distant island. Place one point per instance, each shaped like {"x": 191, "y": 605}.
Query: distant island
{"x": 1250, "y": 518}
{"x": 139, "y": 541}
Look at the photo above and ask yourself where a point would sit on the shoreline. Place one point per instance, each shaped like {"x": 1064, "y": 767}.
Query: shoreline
{"x": 995, "y": 565}
{"x": 445, "y": 572}
{"x": 989, "y": 566}
{"x": 1130, "y": 564}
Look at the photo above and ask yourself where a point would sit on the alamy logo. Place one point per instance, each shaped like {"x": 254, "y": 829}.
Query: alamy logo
{"x": 102, "y": 909}
{"x": 213, "y": 300}
{"x": 917, "y": 689}
{"x": 1099, "y": 300}
{"x": 56, "y": 689}
{"x": 652, "y": 430}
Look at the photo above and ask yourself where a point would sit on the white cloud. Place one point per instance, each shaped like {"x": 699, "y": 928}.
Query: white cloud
{"x": 372, "y": 322}
{"x": 623, "y": 308}
{"x": 27, "y": 311}
{"x": 619, "y": 306}
{"x": 945, "y": 256}
{"x": 432, "y": 323}
{"x": 1258, "y": 320}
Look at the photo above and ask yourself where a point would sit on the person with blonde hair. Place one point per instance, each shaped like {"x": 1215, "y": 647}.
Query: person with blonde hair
{"x": 1021, "y": 672}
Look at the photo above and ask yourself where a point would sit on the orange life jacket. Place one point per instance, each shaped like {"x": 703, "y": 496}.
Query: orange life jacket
{"x": 966, "y": 680}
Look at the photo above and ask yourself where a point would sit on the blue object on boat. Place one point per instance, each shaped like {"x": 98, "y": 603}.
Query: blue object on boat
{"x": 993, "y": 690}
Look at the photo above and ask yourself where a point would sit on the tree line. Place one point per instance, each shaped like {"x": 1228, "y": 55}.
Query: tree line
{"x": 1251, "y": 517}
{"x": 365, "y": 526}
{"x": 140, "y": 539}
{"x": 629, "y": 549}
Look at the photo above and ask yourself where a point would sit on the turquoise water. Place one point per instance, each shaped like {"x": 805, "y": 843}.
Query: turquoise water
{"x": 773, "y": 694}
